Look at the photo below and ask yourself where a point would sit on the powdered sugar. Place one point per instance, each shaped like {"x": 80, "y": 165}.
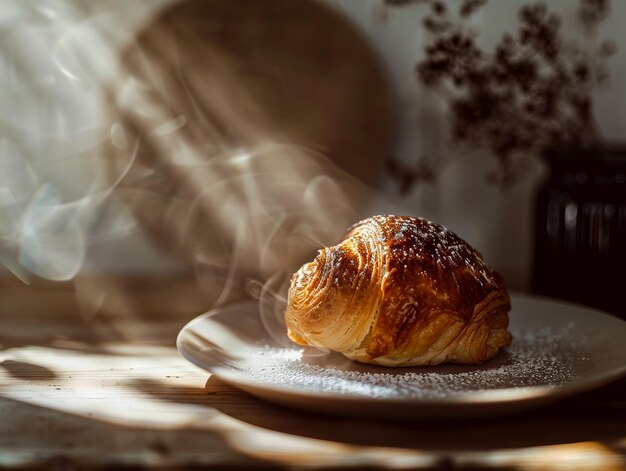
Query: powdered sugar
{"x": 543, "y": 358}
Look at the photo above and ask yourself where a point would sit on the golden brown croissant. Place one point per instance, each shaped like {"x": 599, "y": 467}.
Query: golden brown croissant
{"x": 400, "y": 291}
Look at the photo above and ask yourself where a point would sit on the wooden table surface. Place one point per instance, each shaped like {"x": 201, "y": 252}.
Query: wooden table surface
{"x": 95, "y": 381}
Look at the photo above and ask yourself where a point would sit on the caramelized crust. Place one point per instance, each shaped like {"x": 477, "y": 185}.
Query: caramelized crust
{"x": 400, "y": 291}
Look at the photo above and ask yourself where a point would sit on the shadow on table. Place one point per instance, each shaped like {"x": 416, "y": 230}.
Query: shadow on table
{"x": 27, "y": 371}
{"x": 91, "y": 312}
{"x": 585, "y": 418}
{"x": 580, "y": 419}
{"x": 35, "y": 437}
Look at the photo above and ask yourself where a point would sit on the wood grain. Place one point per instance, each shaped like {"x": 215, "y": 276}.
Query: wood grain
{"x": 75, "y": 394}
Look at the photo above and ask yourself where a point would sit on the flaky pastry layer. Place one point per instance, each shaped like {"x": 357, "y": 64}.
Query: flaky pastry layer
{"x": 400, "y": 291}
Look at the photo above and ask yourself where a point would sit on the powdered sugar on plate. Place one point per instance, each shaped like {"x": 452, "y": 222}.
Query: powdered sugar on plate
{"x": 542, "y": 358}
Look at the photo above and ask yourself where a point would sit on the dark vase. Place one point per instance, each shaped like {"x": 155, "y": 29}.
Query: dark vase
{"x": 580, "y": 228}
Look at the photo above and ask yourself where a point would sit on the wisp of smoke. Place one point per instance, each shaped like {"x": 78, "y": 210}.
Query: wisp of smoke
{"x": 185, "y": 151}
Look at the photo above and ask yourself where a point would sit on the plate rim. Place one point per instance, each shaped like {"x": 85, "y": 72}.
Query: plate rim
{"x": 501, "y": 396}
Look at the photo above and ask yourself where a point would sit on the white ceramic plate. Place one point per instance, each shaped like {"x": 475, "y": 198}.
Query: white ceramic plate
{"x": 558, "y": 349}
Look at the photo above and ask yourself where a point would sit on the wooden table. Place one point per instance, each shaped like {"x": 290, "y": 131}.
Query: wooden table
{"x": 88, "y": 381}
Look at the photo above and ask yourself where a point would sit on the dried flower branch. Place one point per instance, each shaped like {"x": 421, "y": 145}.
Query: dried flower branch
{"x": 532, "y": 93}
{"x": 409, "y": 175}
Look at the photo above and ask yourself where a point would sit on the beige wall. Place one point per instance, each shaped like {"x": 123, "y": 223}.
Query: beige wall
{"x": 55, "y": 56}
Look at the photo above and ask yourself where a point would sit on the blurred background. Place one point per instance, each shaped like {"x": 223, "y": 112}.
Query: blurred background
{"x": 224, "y": 142}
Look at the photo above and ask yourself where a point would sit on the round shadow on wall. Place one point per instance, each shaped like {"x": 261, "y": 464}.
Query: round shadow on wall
{"x": 243, "y": 128}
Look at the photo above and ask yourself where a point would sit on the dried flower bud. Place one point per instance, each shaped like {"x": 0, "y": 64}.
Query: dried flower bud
{"x": 592, "y": 12}
{"x": 469, "y": 7}
{"x": 532, "y": 93}
{"x": 608, "y": 48}
{"x": 438, "y": 8}
{"x": 581, "y": 72}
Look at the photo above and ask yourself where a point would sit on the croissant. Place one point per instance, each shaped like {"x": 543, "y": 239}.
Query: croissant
{"x": 400, "y": 291}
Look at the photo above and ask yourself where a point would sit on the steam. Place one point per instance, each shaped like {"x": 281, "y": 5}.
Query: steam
{"x": 184, "y": 153}
{"x": 52, "y": 195}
